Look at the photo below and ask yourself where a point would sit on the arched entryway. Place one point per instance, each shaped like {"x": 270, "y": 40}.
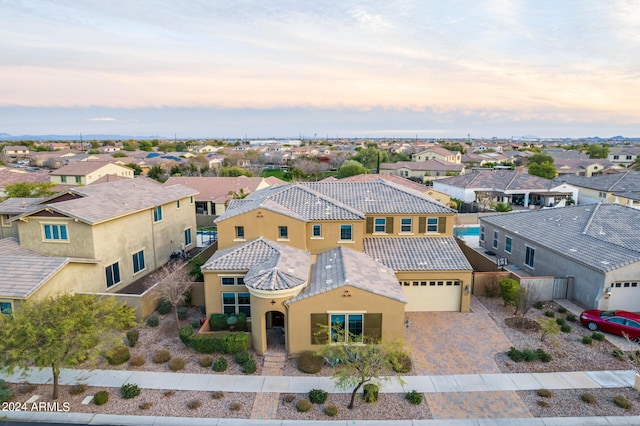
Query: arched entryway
{"x": 274, "y": 323}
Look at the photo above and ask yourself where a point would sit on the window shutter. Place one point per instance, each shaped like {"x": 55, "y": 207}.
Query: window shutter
{"x": 389, "y": 228}
{"x": 422, "y": 225}
{"x": 372, "y": 328}
{"x": 442, "y": 224}
{"x": 369, "y": 225}
{"x": 319, "y": 329}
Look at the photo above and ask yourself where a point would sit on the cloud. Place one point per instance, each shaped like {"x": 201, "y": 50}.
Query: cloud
{"x": 102, "y": 119}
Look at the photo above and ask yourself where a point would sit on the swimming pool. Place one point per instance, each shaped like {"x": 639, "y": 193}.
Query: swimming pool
{"x": 467, "y": 231}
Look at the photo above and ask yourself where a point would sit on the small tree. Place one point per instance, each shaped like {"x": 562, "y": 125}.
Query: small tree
{"x": 351, "y": 168}
{"x": 29, "y": 190}
{"x": 60, "y": 332}
{"x": 509, "y": 290}
{"x": 173, "y": 286}
{"x": 548, "y": 327}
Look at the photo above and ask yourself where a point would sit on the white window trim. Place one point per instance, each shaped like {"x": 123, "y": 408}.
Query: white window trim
{"x": 59, "y": 241}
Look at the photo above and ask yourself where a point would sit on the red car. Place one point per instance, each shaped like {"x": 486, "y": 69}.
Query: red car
{"x": 615, "y": 322}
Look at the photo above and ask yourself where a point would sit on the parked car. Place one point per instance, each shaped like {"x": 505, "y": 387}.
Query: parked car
{"x": 615, "y": 322}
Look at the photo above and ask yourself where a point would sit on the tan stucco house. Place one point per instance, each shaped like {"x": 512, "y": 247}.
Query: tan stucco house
{"x": 87, "y": 172}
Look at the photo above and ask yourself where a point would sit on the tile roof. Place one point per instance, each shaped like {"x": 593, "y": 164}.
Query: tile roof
{"x": 217, "y": 189}
{"x": 341, "y": 266}
{"x": 417, "y": 254}
{"x": 81, "y": 168}
{"x": 628, "y": 180}
{"x": 407, "y": 183}
{"x": 601, "y": 236}
{"x": 433, "y": 164}
{"x": 19, "y": 205}
{"x": 102, "y": 202}
{"x": 505, "y": 180}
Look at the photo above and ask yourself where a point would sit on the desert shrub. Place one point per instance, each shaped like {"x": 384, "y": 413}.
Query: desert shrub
{"x": 249, "y": 367}
{"x": 5, "y": 392}
{"x": 132, "y": 337}
{"x": 193, "y": 404}
{"x": 220, "y": 365}
{"x": 331, "y": 410}
{"x": 145, "y": 405}
{"x": 539, "y": 304}
{"x": 509, "y": 290}
{"x": 118, "y": 355}
{"x": 318, "y": 396}
{"x": 597, "y": 336}
{"x": 161, "y": 356}
{"x": 78, "y": 389}
{"x": 586, "y": 340}
{"x": 565, "y": 328}
{"x": 176, "y": 364}
{"x": 218, "y": 322}
{"x": 129, "y": 390}
{"x": 242, "y": 357}
{"x": 235, "y": 406}
{"x": 550, "y": 314}
{"x": 543, "y": 356}
{"x": 164, "y": 307}
{"x": 101, "y": 397}
{"x": 401, "y": 362}
{"x": 414, "y": 397}
{"x": 303, "y": 405}
{"x": 288, "y": 398}
{"x": 169, "y": 393}
{"x": 309, "y": 362}
{"x": 186, "y": 333}
{"x": 153, "y": 321}
{"x": 26, "y": 388}
{"x": 370, "y": 393}
{"x": 571, "y": 317}
{"x": 545, "y": 393}
{"x": 515, "y": 354}
{"x": 589, "y": 398}
{"x": 182, "y": 313}
{"x": 229, "y": 343}
{"x": 241, "y": 324}
{"x": 195, "y": 324}
{"x": 544, "y": 404}
{"x": 562, "y": 310}
{"x": 217, "y": 395}
{"x": 137, "y": 361}
{"x": 619, "y": 353}
{"x": 205, "y": 361}
{"x": 530, "y": 355}
{"x": 622, "y": 402}
{"x": 560, "y": 321}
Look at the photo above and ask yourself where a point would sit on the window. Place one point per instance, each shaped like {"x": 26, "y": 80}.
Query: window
{"x": 495, "y": 239}
{"x": 346, "y": 328}
{"x": 507, "y": 244}
{"x": 138, "y": 261}
{"x": 113, "y": 274}
{"x": 63, "y": 179}
{"x": 235, "y": 303}
{"x": 380, "y": 224}
{"x": 78, "y": 179}
{"x": 240, "y": 232}
{"x": 316, "y": 231}
{"x": 406, "y": 224}
{"x": 232, "y": 280}
{"x": 529, "y": 255}
{"x": 177, "y": 204}
{"x": 628, "y": 157}
{"x": 616, "y": 157}
{"x": 201, "y": 207}
{"x": 345, "y": 233}
{"x": 5, "y": 308}
{"x": 187, "y": 237}
{"x": 55, "y": 232}
{"x": 157, "y": 214}
{"x": 482, "y": 233}
{"x": 432, "y": 224}
{"x": 283, "y": 232}
{"x": 191, "y": 200}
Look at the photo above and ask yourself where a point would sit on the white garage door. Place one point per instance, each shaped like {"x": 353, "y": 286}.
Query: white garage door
{"x": 625, "y": 296}
{"x": 432, "y": 295}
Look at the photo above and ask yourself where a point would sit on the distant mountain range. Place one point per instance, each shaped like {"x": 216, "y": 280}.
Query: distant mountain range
{"x": 9, "y": 137}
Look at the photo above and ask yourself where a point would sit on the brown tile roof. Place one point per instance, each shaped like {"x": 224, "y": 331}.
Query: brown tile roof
{"x": 217, "y": 189}
{"x": 81, "y": 168}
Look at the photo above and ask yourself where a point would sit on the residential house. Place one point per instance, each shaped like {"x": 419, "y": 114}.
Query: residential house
{"x": 438, "y": 196}
{"x": 423, "y": 171}
{"x": 352, "y": 249}
{"x": 624, "y": 156}
{"x": 11, "y": 176}
{"x": 581, "y": 167}
{"x": 123, "y": 230}
{"x": 437, "y": 153}
{"x": 15, "y": 151}
{"x": 87, "y": 172}
{"x": 619, "y": 188}
{"x": 595, "y": 246}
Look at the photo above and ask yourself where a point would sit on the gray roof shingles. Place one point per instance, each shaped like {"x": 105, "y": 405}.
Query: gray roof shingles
{"x": 417, "y": 254}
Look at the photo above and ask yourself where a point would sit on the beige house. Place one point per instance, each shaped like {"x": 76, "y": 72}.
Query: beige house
{"x": 437, "y": 153}
{"x": 423, "y": 171}
{"x": 87, "y": 172}
{"x": 97, "y": 238}
{"x": 15, "y": 151}
{"x": 299, "y": 255}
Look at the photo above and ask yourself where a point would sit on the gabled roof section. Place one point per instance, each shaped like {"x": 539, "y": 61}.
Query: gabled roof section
{"x": 505, "y": 180}
{"x": 102, "y": 202}
{"x": 19, "y": 205}
{"x": 602, "y": 236}
{"x": 341, "y": 267}
{"x": 627, "y": 181}
{"x": 81, "y": 168}
{"x": 418, "y": 254}
{"x": 242, "y": 257}
{"x": 217, "y": 189}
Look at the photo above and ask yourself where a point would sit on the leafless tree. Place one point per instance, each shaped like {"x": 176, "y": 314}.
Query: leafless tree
{"x": 173, "y": 285}
{"x": 527, "y": 297}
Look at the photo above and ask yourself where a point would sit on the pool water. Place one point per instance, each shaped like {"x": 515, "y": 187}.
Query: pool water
{"x": 467, "y": 231}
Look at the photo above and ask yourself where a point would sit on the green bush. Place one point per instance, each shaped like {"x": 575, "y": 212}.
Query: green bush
{"x": 182, "y": 313}
{"x": 318, "y": 396}
{"x": 543, "y": 356}
{"x": 414, "y": 397}
{"x": 562, "y": 310}
{"x": 186, "y": 333}
{"x": 132, "y": 337}
{"x": 249, "y": 367}
{"x": 586, "y": 340}
{"x": 161, "y": 356}
{"x": 545, "y": 393}
{"x": 164, "y": 307}
{"x": 101, "y": 398}
{"x": 539, "y": 304}
{"x": 401, "y": 363}
{"x": 560, "y": 321}
{"x": 228, "y": 343}
{"x": 195, "y": 324}
{"x": 622, "y": 402}
{"x": 370, "y": 393}
{"x": 205, "y": 361}
{"x": 303, "y": 405}
{"x": 220, "y": 365}
{"x": 5, "y": 392}
{"x": 118, "y": 355}
{"x": 550, "y": 314}
{"x": 153, "y": 321}
{"x": 78, "y": 389}
{"x": 331, "y": 410}
{"x": 530, "y": 355}
{"x": 309, "y": 362}
{"x": 565, "y": 328}
{"x": 242, "y": 357}
{"x": 218, "y": 322}
{"x": 137, "y": 361}
{"x": 515, "y": 354}
{"x": 129, "y": 391}
{"x": 509, "y": 291}
{"x": 589, "y": 398}
{"x": 571, "y": 317}
{"x": 597, "y": 336}
{"x": 176, "y": 364}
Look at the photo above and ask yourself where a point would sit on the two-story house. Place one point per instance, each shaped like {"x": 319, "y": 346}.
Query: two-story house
{"x": 621, "y": 188}
{"x": 437, "y": 153}
{"x": 354, "y": 253}
{"x": 87, "y": 172}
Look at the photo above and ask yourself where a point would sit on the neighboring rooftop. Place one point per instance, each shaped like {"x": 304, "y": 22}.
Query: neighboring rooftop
{"x": 417, "y": 254}
{"x": 216, "y": 189}
{"x": 504, "y": 180}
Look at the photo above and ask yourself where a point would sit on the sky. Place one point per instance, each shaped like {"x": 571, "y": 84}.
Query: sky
{"x": 331, "y": 68}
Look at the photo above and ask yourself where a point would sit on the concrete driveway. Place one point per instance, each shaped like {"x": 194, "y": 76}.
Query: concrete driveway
{"x": 454, "y": 342}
